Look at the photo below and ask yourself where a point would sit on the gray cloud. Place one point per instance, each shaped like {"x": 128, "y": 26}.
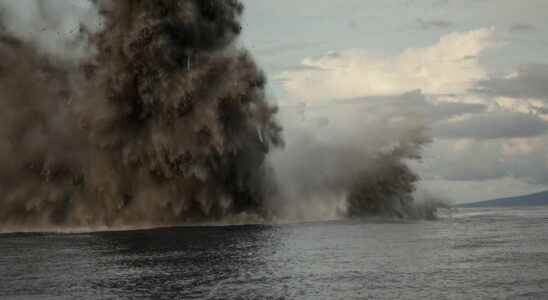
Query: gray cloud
{"x": 531, "y": 82}
{"x": 433, "y": 24}
{"x": 486, "y": 160}
{"x": 521, "y": 27}
{"x": 283, "y": 48}
{"x": 492, "y": 126}
{"x": 416, "y": 103}
{"x": 479, "y": 124}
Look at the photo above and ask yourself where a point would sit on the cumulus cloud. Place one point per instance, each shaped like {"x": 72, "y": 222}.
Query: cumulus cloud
{"x": 450, "y": 66}
{"x": 526, "y": 106}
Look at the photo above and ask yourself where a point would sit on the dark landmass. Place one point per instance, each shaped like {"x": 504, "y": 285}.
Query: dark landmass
{"x": 526, "y": 200}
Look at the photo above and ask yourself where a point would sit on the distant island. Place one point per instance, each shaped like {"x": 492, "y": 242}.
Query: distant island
{"x": 526, "y": 200}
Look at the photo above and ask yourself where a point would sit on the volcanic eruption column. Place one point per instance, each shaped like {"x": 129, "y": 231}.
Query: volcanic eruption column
{"x": 164, "y": 121}
{"x": 167, "y": 122}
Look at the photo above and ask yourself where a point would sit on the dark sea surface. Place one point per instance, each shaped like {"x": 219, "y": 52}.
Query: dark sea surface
{"x": 476, "y": 253}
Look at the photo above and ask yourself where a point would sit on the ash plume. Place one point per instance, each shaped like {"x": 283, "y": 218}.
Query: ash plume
{"x": 166, "y": 123}
{"x": 59, "y": 28}
{"x": 150, "y": 114}
{"x": 352, "y": 160}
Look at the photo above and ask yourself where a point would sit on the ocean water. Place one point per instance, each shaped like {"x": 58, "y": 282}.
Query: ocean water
{"x": 475, "y": 253}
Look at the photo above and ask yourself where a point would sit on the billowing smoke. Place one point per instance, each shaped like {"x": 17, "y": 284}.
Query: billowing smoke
{"x": 167, "y": 122}
{"x": 59, "y": 28}
{"x": 350, "y": 159}
{"x": 148, "y": 113}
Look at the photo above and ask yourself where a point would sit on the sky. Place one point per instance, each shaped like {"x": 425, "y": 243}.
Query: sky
{"x": 475, "y": 70}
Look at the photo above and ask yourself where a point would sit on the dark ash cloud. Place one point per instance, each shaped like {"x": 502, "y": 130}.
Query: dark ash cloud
{"x": 167, "y": 123}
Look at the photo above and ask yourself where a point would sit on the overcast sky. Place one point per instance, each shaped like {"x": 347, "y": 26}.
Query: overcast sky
{"x": 477, "y": 70}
